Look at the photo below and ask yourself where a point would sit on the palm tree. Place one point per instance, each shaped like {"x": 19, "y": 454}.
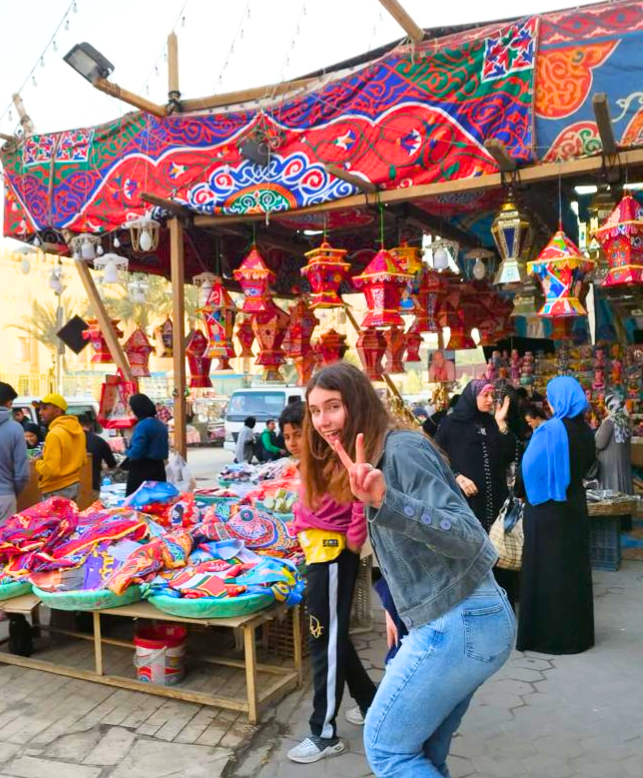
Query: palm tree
{"x": 157, "y": 305}
{"x": 42, "y": 323}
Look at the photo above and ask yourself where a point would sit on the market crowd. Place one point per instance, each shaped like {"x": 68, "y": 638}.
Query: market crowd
{"x": 428, "y": 498}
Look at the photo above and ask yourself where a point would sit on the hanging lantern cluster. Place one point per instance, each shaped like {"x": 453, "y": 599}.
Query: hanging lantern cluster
{"x": 137, "y": 348}
{"x": 198, "y": 361}
{"x": 562, "y": 270}
{"x": 621, "y": 238}
{"x": 513, "y": 234}
{"x": 297, "y": 345}
{"x": 164, "y": 336}
{"x": 97, "y": 340}
{"x": 325, "y": 271}
{"x": 453, "y": 314}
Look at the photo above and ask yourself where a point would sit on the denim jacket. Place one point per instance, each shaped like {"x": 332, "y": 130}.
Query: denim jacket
{"x": 431, "y": 548}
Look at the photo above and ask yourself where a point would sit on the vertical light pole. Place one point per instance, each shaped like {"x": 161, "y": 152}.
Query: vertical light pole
{"x": 57, "y": 286}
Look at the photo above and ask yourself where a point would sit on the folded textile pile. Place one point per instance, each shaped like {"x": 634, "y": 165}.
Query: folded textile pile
{"x": 169, "y": 507}
{"x": 242, "y": 473}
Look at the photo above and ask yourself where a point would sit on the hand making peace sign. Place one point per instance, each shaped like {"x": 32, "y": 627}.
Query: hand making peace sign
{"x": 366, "y": 482}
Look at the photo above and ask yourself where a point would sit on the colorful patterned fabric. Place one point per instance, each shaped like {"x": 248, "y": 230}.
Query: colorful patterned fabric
{"x": 38, "y": 528}
{"x": 257, "y": 529}
{"x": 414, "y": 116}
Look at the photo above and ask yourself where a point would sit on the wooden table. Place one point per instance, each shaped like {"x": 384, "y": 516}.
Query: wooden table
{"x": 287, "y": 677}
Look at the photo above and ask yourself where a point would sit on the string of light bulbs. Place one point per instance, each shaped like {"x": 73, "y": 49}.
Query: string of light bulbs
{"x": 40, "y": 61}
{"x": 239, "y": 34}
{"x": 154, "y": 70}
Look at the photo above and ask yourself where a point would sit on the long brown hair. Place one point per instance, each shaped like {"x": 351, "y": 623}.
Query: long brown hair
{"x": 321, "y": 471}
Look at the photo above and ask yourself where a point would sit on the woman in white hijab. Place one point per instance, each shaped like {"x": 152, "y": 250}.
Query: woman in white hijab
{"x": 613, "y": 447}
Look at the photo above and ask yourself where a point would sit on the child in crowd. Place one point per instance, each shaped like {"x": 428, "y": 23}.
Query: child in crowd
{"x": 331, "y": 533}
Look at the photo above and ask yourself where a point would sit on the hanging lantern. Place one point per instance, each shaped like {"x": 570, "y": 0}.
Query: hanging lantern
{"x": 371, "y": 347}
{"x": 144, "y": 234}
{"x": 219, "y": 312}
{"x": 246, "y": 336}
{"x": 562, "y": 269}
{"x": 561, "y": 328}
{"x": 111, "y": 264}
{"x": 297, "y": 341}
{"x": 204, "y": 282}
{"x": 330, "y": 348}
{"x": 395, "y": 340}
{"x": 97, "y": 340}
{"x": 164, "y": 335}
{"x": 270, "y": 330}
{"x": 444, "y": 251}
{"x": 383, "y": 281}
{"x": 413, "y": 340}
{"x": 255, "y": 278}
{"x": 453, "y": 314}
{"x": 137, "y": 348}
{"x": 430, "y": 295}
{"x": 480, "y": 264}
{"x": 137, "y": 290}
{"x": 325, "y": 272}
{"x": 622, "y": 240}
{"x": 409, "y": 258}
{"x": 85, "y": 246}
{"x": 513, "y": 234}
{"x": 198, "y": 363}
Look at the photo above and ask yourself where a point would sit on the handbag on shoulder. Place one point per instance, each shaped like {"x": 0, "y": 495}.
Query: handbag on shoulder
{"x": 506, "y": 534}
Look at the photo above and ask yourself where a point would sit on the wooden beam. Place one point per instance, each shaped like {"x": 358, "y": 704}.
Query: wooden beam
{"x": 245, "y": 95}
{"x": 499, "y": 152}
{"x": 548, "y": 171}
{"x": 25, "y": 121}
{"x": 114, "y": 90}
{"x": 604, "y": 122}
{"x": 177, "y": 264}
{"x": 104, "y": 320}
{"x": 173, "y": 91}
{"x": 176, "y": 208}
{"x": 8, "y": 138}
{"x": 397, "y": 11}
{"x": 356, "y": 181}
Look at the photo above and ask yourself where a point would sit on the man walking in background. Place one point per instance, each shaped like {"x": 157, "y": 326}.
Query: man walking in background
{"x": 14, "y": 465}
{"x": 100, "y": 451}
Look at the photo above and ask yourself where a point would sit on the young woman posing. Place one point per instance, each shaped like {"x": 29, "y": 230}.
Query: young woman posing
{"x": 436, "y": 558}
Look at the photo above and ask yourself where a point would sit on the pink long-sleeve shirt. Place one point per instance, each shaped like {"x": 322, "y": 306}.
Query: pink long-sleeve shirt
{"x": 334, "y": 517}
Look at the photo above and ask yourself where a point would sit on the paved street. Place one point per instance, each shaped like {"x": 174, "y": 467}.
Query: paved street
{"x": 540, "y": 717}
{"x": 206, "y": 463}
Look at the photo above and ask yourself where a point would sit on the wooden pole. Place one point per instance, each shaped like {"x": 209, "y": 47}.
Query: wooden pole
{"x": 25, "y": 121}
{"x": 104, "y": 320}
{"x": 397, "y": 11}
{"x": 499, "y": 152}
{"x": 245, "y": 95}
{"x": 178, "y": 308}
{"x": 114, "y": 90}
{"x": 173, "y": 91}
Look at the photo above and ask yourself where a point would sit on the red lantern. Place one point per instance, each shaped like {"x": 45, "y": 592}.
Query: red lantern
{"x": 453, "y": 314}
{"x": 409, "y": 258}
{"x": 561, "y": 269}
{"x": 138, "y": 349}
{"x": 219, "y": 312}
{"x": 297, "y": 341}
{"x": 325, "y": 272}
{"x": 246, "y": 336}
{"x": 430, "y": 295}
{"x": 270, "y": 330}
{"x": 383, "y": 282}
{"x": 97, "y": 340}
{"x": 255, "y": 278}
{"x": 164, "y": 334}
{"x": 621, "y": 238}
{"x": 413, "y": 342}
{"x": 561, "y": 328}
{"x": 330, "y": 348}
{"x": 395, "y": 347}
{"x": 371, "y": 347}
{"x": 198, "y": 362}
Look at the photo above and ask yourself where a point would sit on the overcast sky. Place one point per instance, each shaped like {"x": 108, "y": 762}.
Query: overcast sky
{"x": 224, "y": 45}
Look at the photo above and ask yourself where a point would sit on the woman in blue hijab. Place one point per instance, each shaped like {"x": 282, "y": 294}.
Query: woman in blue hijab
{"x": 556, "y": 603}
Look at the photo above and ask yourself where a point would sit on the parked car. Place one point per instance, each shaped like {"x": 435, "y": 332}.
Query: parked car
{"x": 265, "y": 402}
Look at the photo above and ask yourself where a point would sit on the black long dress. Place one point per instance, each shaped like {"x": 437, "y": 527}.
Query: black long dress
{"x": 477, "y": 450}
{"x": 556, "y": 601}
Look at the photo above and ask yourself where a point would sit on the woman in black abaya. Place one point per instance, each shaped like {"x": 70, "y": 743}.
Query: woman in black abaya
{"x": 480, "y": 447}
{"x": 556, "y": 604}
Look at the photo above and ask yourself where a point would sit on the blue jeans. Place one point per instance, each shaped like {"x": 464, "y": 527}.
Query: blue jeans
{"x": 429, "y": 684}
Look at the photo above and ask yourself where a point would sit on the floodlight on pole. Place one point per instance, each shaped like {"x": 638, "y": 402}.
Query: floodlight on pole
{"x": 89, "y": 62}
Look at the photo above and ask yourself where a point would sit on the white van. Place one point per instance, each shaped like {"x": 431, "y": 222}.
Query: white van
{"x": 77, "y": 405}
{"x": 265, "y": 402}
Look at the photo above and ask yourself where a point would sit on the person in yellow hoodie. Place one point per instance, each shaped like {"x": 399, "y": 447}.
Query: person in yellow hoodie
{"x": 64, "y": 454}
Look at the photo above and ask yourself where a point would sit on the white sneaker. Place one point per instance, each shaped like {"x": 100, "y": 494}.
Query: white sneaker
{"x": 355, "y": 716}
{"x": 312, "y": 749}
